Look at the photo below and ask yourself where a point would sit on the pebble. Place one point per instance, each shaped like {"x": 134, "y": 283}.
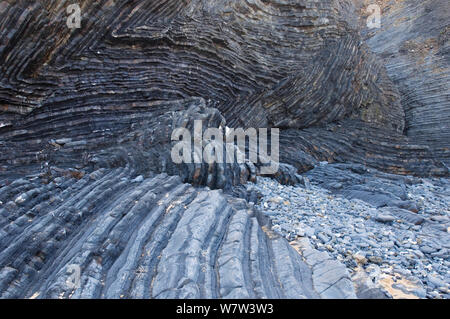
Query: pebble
{"x": 324, "y": 238}
{"x": 427, "y": 249}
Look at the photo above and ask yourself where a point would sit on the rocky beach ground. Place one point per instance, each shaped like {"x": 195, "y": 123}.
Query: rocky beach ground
{"x": 392, "y": 233}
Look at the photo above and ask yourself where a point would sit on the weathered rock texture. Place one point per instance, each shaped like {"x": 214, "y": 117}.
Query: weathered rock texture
{"x": 86, "y": 117}
{"x": 414, "y": 45}
{"x": 155, "y": 238}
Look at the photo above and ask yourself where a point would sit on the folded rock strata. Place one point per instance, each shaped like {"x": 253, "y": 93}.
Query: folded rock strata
{"x": 261, "y": 63}
{"x": 86, "y": 117}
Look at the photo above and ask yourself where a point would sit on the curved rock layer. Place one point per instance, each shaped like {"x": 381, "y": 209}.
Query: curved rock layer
{"x": 353, "y": 141}
{"x": 261, "y": 63}
{"x": 414, "y": 44}
{"x": 149, "y": 238}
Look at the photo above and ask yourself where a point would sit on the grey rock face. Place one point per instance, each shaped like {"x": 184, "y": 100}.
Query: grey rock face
{"x": 384, "y": 249}
{"x": 311, "y": 75}
{"x": 92, "y": 204}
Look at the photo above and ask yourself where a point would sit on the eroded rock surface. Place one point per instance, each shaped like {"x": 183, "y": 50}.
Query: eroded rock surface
{"x": 414, "y": 46}
{"x": 144, "y": 238}
{"x": 264, "y": 63}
